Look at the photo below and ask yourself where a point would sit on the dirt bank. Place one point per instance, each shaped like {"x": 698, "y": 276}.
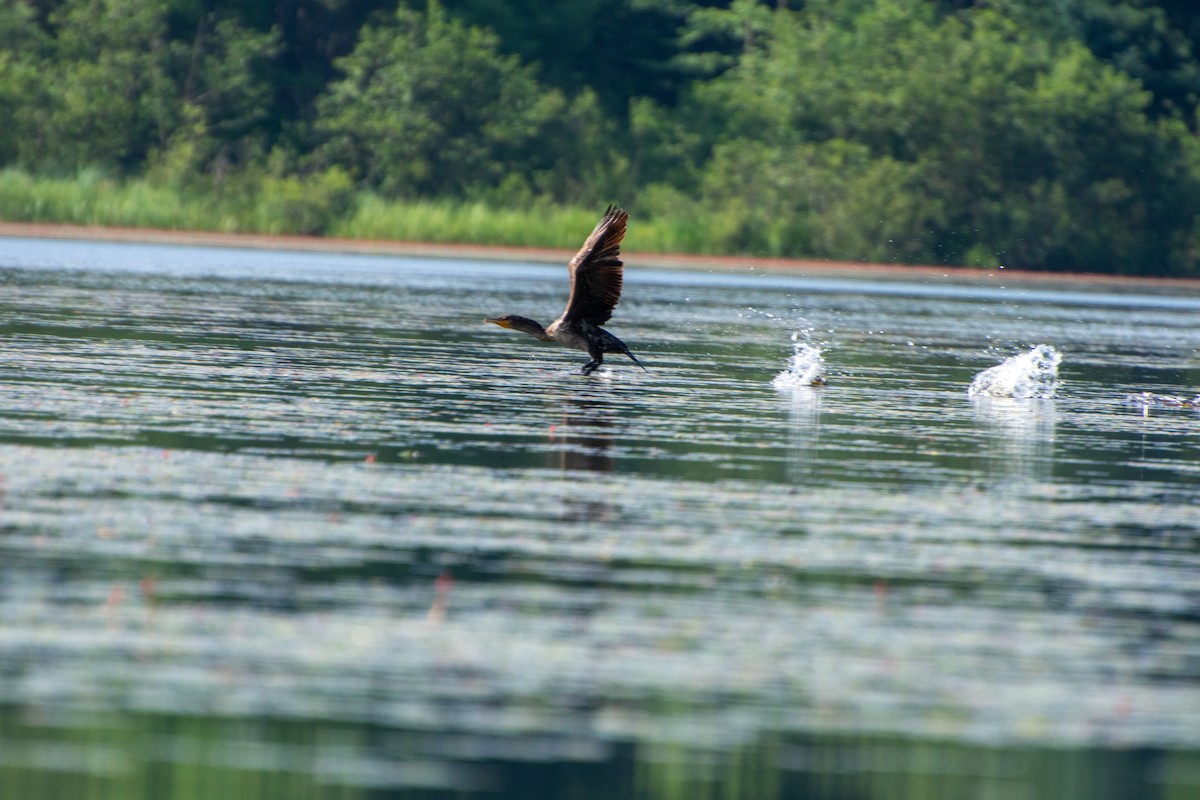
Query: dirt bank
{"x": 633, "y": 258}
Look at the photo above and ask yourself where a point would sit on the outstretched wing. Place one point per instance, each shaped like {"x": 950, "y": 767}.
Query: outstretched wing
{"x": 596, "y": 271}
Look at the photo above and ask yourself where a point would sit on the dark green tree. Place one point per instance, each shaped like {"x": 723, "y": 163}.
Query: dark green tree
{"x": 106, "y": 98}
{"x": 1153, "y": 41}
{"x": 617, "y": 49}
{"x": 223, "y": 102}
{"x": 986, "y": 142}
{"x": 102, "y": 83}
{"x": 23, "y": 50}
{"x": 429, "y": 106}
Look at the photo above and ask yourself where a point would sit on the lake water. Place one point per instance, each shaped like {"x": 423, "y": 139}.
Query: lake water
{"x": 282, "y": 525}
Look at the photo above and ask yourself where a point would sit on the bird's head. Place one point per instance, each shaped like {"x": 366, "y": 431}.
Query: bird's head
{"x": 519, "y": 323}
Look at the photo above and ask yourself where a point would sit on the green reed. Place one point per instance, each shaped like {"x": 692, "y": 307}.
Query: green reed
{"x": 327, "y": 204}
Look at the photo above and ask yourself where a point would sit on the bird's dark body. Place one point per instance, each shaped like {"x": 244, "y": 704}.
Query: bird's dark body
{"x": 592, "y": 339}
{"x": 596, "y": 279}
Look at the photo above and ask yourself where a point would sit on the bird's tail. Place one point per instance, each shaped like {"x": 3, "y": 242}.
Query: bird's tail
{"x": 635, "y": 360}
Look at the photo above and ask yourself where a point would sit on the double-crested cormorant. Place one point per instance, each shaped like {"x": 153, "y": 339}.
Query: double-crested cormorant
{"x": 595, "y": 289}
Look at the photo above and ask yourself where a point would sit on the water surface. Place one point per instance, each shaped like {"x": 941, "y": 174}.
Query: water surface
{"x": 285, "y": 524}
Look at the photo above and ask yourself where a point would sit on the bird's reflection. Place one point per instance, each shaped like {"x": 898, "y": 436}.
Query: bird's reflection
{"x": 1019, "y": 449}
{"x": 584, "y": 437}
{"x": 804, "y": 432}
{"x": 583, "y": 441}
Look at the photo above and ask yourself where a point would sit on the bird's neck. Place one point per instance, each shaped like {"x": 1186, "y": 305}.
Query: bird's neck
{"x": 526, "y": 325}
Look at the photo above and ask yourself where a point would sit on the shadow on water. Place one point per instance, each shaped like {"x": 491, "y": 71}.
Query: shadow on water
{"x": 583, "y": 442}
{"x": 584, "y": 437}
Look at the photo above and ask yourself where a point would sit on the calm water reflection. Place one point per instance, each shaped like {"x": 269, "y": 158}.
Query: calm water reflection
{"x": 285, "y": 525}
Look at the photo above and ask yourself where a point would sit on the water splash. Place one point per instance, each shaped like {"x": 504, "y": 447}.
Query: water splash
{"x": 806, "y": 367}
{"x": 1031, "y": 374}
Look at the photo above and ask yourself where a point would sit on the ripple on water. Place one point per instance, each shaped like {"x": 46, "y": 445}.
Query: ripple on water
{"x": 357, "y": 505}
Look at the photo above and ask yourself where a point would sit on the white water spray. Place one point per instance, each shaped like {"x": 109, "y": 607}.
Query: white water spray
{"x": 1033, "y": 374}
{"x": 806, "y": 367}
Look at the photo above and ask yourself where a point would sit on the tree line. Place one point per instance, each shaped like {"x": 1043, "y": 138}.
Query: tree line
{"x": 1055, "y": 136}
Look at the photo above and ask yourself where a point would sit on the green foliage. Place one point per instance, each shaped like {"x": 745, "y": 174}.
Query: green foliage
{"x": 1153, "y": 42}
{"x": 109, "y": 100}
{"x": 470, "y": 222}
{"x": 288, "y": 204}
{"x": 324, "y": 204}
{"x": 22, "y": 44}
{"x": 825, "y": 199}
{"x": 310, "y": 205}
{"x": 223, "y": 93}
{"x": 616, "y": 50}
{"x": 91, "y": 198}
{"x": 102, "y": 85}
{"x": 428, "y": 105}
{"x": 974, "y": 140}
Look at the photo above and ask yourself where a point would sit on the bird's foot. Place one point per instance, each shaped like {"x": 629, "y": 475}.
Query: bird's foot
{"x": 590, "y": 367}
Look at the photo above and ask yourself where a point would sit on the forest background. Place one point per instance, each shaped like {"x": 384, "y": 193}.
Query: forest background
{"x": 1040, "y": 134}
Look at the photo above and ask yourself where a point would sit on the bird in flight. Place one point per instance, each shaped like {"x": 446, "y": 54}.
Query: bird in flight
{"x": 596, "y": 277}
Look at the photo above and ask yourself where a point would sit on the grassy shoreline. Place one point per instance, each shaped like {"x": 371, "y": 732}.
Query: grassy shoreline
{"x": 326, "y": 206}
{"x": 94, "y": 207}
